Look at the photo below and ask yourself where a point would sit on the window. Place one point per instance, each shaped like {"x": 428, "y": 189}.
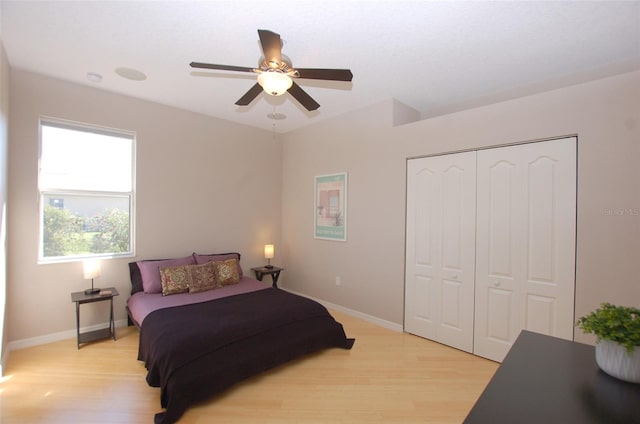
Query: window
{"x": 86, "y": 184}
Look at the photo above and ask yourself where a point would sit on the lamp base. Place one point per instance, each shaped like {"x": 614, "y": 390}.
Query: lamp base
{"x": 92, "y": 291}
{"x": 268, "y": 266}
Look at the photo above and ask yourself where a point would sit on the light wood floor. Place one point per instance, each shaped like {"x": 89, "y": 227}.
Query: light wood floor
{"x": 388, "y": 377}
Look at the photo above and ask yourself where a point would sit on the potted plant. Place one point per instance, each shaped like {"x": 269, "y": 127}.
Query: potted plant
{"x": 617, "y": 329}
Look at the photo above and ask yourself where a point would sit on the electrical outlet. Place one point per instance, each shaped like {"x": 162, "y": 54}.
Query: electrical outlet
{"x": 338, "y": 281}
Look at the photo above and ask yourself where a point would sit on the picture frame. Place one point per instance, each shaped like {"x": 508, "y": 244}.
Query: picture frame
{"x": 330, "y": 207}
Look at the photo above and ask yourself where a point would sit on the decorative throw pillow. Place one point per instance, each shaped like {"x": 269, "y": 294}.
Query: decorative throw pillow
{"x": 174, "y": 279}
{"x": 202, "y": 277}
{"x": 150, "y": 271}
{"x": 227, "y": 272}
{"x": 201, "y": 258}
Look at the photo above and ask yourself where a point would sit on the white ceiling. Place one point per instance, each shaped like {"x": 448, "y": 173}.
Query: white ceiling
{"x": 436, "y": 57}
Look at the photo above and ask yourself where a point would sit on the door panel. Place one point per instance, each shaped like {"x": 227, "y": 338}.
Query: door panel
{"x": 550, "y": 283}
{"x": 499, "y": 188}
{"x": 440, "y": 245}
{"x": 422, "y": 250}
{"x": 451, "y": 296}
{"x": 499, "y": 301}
{"x": 425, "y": 186}
{"x": 525, "y": 260}
{"x": 541, "y": 213}
{"x": 498, "y": 251}
{"x": 452, "y": 217}
{"x": 540, "y": 314}
{"x": 422, "y": 311}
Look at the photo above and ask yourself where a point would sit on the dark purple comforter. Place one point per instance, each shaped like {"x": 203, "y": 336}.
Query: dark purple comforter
{"x": 195, "y": 351}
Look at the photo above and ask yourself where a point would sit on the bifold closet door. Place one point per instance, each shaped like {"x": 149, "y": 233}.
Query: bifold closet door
{"x": 525, "y": 243}
{"x": 440, "y": 248}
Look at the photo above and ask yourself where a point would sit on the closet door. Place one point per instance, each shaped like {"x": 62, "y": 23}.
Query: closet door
{"x": 525, "y": 255}
{"x": 440, "y": 248}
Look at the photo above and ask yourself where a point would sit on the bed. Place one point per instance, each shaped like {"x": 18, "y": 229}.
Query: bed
{"x": 197, "y": 344}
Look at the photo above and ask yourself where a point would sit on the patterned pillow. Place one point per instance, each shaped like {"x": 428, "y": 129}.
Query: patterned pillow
{"x": 174, "y": 279}
{"x": 227, "y": 272}
{"x": 201, "y": 258}
{"x": 150, "y": 271}
{"x": 203, "y": 277}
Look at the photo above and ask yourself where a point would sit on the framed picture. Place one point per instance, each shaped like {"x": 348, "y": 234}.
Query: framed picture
{"x": 330, "y": 221}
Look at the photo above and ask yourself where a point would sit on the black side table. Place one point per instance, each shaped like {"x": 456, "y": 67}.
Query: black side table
{"x": 274, "y": 271}
{"x": 104, "y": 333}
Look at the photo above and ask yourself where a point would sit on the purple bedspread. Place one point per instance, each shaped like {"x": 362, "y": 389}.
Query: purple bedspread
{"x": 195, "y": 351}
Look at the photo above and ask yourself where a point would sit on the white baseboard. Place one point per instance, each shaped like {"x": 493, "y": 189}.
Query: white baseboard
{"x": 369, "y": 318}
{"x": 55, "y": 337}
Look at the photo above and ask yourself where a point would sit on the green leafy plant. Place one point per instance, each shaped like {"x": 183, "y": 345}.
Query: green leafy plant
{"x": 620, "y": 324}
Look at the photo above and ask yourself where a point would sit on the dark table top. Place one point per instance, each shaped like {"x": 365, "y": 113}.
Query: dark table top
{"x": 87, "y": 298}
{"x": 545, "y": 379}
{"x": 264, "y": 269}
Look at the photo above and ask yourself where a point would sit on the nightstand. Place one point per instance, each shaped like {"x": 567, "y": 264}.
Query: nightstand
{"x": 274, "y": 271}
{"x": 104, "y": 333}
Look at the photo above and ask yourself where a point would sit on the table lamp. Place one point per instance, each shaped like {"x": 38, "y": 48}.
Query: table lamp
{"x": 268, "y": 254}
{"x": 91, "y": 271}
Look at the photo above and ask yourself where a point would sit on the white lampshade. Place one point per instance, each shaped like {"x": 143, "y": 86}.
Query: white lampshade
{"x": 91, "y": 268}
{"x": 268, "y": 251}
{"x": 275, "y": 83}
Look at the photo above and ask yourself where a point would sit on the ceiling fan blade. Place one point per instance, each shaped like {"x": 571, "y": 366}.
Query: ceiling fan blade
{"x": 220, "y": 67}
{"x": 305, "y": 100}
{"x": 325, "y": 74}
{"x": 271, "y": 46}
{"x": 250, "y": 95}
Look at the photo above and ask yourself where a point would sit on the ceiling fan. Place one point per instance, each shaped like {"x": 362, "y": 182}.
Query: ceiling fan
{"x": 276, "y": 73}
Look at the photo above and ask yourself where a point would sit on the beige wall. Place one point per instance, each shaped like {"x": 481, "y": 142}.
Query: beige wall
{"x": 4, "y": 136}
{"x": 605, "y": 114}
{"x": 203, "y": 184}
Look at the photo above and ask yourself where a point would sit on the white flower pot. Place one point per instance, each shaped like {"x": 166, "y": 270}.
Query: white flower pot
{"x": 614, "y": 359}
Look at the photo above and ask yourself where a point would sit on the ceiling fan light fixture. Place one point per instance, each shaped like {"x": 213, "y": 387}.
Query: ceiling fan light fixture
{"x": 275, "y": 83}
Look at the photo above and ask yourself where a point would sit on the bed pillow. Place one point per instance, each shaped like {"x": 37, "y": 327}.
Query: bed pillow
{"x": 227, "y": 272}
{"x": 150, "y": 271}
{"x": 202, "y": 258}
{"x": 174, "y": 279}
{"x": 203, "y": 277}
{"x": 136, "y": 278}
